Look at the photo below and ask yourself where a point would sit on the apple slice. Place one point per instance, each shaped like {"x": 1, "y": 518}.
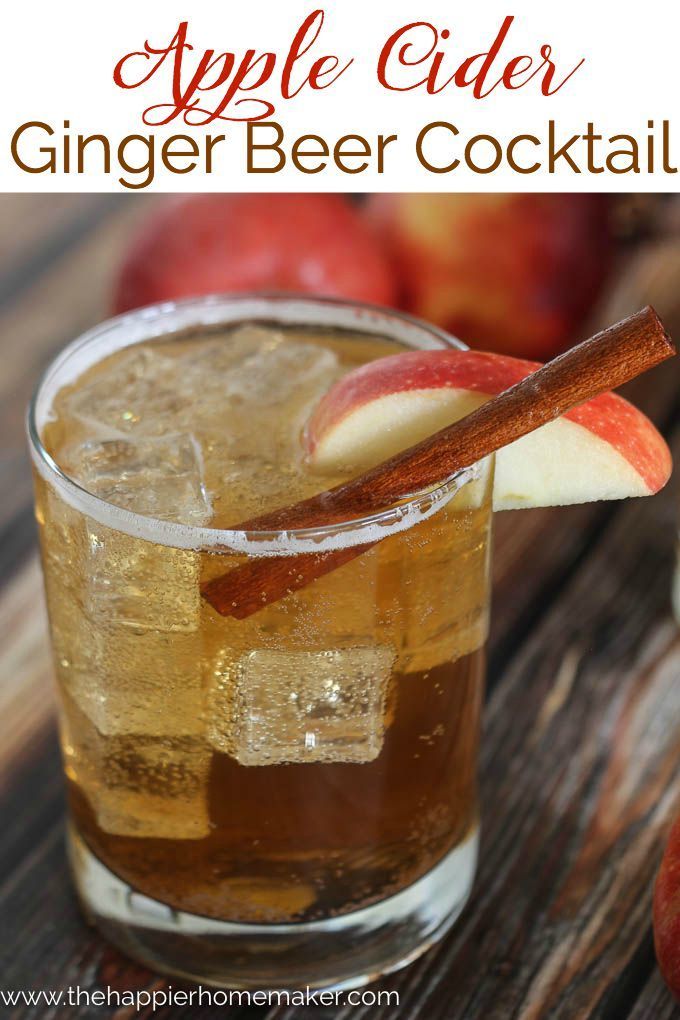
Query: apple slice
{"x": 603, "y": 449}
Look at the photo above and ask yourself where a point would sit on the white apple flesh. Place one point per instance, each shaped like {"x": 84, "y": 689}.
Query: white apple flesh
{"x": 603, "y": 449}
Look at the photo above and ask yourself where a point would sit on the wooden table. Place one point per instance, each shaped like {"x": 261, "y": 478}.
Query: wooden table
{"x": 581, "y": 745}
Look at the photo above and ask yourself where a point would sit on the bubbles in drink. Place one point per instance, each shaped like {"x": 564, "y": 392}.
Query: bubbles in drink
{"x": 303, "y": 706}
{"x": 434, "y": 597}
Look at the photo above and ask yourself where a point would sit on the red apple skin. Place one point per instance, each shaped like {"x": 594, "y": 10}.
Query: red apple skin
{"x": 200, "y": 244}
{"x": 667, "y": 912}
{"x": 516, "y": 274}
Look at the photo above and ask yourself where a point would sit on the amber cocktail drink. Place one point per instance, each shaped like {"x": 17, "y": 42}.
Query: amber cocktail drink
{"x": 289, "y": 798}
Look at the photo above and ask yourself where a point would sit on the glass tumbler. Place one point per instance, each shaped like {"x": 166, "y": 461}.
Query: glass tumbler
{"x": 288, "y": 799}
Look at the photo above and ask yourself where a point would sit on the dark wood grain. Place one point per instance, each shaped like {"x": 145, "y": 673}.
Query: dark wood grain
{"x": 654, "y": 1002}
{"x": 32, "y": 223}
{"x": 580, "y": 754}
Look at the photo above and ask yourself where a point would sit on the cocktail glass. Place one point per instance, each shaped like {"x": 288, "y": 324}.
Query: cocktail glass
{"x": 287, "y": 799}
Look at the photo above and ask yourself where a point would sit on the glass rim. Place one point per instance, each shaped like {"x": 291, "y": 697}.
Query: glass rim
{"x": 152, "y": 319}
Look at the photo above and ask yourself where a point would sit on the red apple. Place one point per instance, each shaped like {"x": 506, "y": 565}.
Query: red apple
{"x": 603, "y": 449}
{"x": 667, "y": 912}
{"x": 510, "y": 273}
{"x": 317, "y": 244}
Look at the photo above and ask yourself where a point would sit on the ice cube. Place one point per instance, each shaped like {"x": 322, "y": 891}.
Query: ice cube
{"x": 284, "y": 371}
{"x": 153, "y": 788}
{"x": 124, "y": 623}
{"x": 214, "y": 360}
{"x": 157, "y": 789}
{"x": 127, "y": 641}
{"x": 124, "y": 616}
{"x": 274, "y": 706}
{"x": 141, "y": 393}
{"x": 138, "y": 585}
{"x": 268, "y": 393}
{"x": 131, "y": 683}
{"x": 157, "y": 476}
{"x": 253, "y": 371}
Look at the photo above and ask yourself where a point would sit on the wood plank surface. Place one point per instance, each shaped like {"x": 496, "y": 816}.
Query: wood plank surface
{"x": 34, "y": 225}
{"x": 581, "y": 746}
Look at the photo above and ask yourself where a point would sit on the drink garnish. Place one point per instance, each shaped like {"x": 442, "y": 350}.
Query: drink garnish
{"x": 605, "y": 361}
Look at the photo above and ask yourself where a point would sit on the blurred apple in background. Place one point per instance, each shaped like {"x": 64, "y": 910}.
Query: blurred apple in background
{"x": 510, "y": 273}
{"x": 318, "y": 244}
{"x": 667, "y": 912}
{"x": 516, "y": 274}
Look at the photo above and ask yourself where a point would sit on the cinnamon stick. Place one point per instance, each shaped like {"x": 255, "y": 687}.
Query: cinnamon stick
{"x": 604, "y": 362}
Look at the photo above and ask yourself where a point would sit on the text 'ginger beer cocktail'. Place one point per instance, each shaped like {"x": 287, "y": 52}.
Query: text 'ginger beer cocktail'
{"x": 288, "y": 798}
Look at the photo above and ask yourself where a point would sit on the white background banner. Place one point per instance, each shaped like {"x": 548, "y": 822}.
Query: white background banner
{"x": 576, "y": 96}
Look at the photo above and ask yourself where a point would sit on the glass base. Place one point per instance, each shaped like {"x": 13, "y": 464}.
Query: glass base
{"x": 342, "y": 952}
